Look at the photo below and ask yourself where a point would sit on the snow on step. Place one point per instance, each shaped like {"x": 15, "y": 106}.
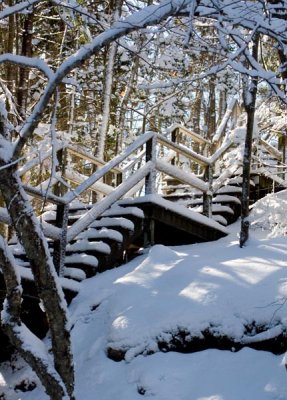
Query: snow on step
{"x": 66, "y": 283}
{"x": 217, "y": 199}
{"x": 239, "y": 179}
{"x": 229, "y": 189}
{"x": 215, "y": 208}
{"x": 84, "y": 245}
{"x": 17, "y": 249}
{"x": 69, "y": 284}
{"x": 181, "y": 210}
{"x": 117, "y": 210}
{"x": 48, "y": 216}
{"x": 102, "y": 233}
{"x": 225, "y": 198}
{"x": 74, "y": 273}
{"x": 220, "y": 219}
{"x": 82, "y": 258}
{"x": 192, "y": 192}
{"x": 115, "y": 221}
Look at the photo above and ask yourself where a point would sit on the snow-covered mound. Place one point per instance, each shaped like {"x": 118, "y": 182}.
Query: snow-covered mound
{"x": 212, "y": 286}
{"x": 190, "y": 290}
{"x": 270, "y": 214}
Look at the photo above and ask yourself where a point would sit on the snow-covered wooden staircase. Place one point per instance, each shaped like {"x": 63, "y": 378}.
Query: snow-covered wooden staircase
{"x": 157, "y": 191}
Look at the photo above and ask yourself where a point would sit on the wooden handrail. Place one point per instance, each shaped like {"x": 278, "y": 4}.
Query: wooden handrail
{"x": 220, "y": 130}
{"x": 71, "y": 195}
{"x": 104, "y": 204}
{"x": 78, "y": 178}
{"x": 220, "y": 151}
{"x": 271, "y": 150}
{"x": 204, "y": 161}
{"x": 91, "y": 182}
{"x": 195, "y": 137}
{"x": 189, "y": 178}
{"x": 78, "y": 151}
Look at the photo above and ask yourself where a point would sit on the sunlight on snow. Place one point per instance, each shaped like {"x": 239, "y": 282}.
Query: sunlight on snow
{"x": 252, "y": 270}
{"x": 145, "y": 273}
{"x": 200, "y": 292}
{"x": 217, "y": 273}
{"x": 2, "y": 380}
{"x": 270, "y": 388}
{"x": 283, "y": 288}
{"x": 120, "y": 323}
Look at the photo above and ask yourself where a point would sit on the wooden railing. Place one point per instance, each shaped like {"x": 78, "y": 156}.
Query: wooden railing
{"x": 134, "y": 171}
{"x": 139, "y": 173}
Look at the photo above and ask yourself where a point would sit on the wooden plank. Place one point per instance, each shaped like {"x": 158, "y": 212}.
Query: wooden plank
{"x": 271, "y": 150}
{"x": 189, "y": 178}
{"x": 172, "y": 228}
{"x": 78, "y": 178}
{"x": 196, "y": 138}
{"x": 192, "y": 155}
{"x": 81, "y": 153}
{"x": 71, "y": 195}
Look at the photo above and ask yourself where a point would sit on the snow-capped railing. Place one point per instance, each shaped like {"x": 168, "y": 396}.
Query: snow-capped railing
{"x": 150, "y": 155}
{"x": 269, "y": 162}
{"x": 151, "y": 141}
{"x": 230, "y": 111}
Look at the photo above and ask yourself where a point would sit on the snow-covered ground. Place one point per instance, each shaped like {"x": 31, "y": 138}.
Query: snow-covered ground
{"x": 215, "y": 286}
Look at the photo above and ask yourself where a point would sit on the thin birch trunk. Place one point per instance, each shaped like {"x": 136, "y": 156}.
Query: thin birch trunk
{"x": 109, "y": 75}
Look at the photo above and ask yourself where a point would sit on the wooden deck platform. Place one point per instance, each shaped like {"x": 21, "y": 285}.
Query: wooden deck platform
{"x": 171, "y": 224}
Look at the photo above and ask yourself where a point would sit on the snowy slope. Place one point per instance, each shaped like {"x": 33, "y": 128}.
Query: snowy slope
{"x": 215, "y": 285}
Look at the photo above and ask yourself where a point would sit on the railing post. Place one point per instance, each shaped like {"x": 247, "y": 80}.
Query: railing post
{"x": 59, "y": 253}
{"x": 150, "y": 181}
{"x": 150, "y": 188}
{"x": 207, "y": 196}
{"x": 61, "y": 218}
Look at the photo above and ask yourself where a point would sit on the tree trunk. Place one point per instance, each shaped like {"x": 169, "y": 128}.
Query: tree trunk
{"x": 19, "y": 334}
{"x": 22, "y": 92}
{"x": 249, "y": 98}
{"x": 31, "y": 237}
{"x": 109, "y": 74}
{"x": 34, "y": 242}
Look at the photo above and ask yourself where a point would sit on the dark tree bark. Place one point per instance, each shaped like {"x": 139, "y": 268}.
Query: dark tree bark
{"x": 30, "y": 234}
{"x": 249, "y": 99}
{"x": 14, "y": 327}
{"x": 26, "y": 50}
{"x": 31, "y": 237}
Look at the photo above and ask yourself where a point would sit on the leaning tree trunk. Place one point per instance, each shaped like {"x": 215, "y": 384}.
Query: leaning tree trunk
{"x": 249, "y": 99}
{"x": 18, "y": 333}
{"x": 32, "y": 238}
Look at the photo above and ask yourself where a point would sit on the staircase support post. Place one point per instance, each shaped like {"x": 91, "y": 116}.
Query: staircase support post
{"x": 60, "y": 244}
{"x": 150, "y": 181}
{"x": 149, "y": 232}
{"x": 207, "y": 196}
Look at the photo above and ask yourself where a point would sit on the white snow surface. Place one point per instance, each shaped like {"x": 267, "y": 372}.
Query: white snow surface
{"x": 172, "y": 288}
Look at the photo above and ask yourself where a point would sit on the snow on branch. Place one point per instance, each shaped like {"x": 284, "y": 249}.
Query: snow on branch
{"x": 149, "y": 15}
{"x": 17, "y": 8}
{"x": 28, "y": 62}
